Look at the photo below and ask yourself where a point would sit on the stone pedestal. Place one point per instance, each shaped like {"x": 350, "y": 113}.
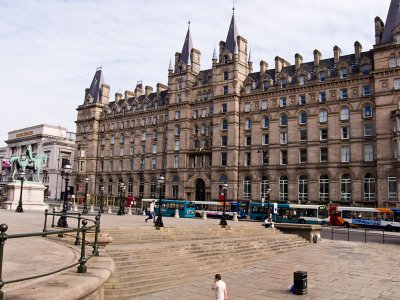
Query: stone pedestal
{"x": 32, "y": 196}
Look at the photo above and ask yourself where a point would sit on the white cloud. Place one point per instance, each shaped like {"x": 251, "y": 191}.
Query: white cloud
{"x": 50, "y": 49}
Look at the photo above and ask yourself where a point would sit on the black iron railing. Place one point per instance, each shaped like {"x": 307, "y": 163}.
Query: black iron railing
{"x": 80, "y": 233}
{"x": 364, "y": 235}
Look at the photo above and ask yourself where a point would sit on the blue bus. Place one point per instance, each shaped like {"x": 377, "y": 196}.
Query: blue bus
{"x": 215, "y": 208}
{"x": 168, "y": 207}
{"x": 291, "y": 213}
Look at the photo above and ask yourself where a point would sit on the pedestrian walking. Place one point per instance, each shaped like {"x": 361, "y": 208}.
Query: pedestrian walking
{"x": 151, "y": 212}
{"x": 220, "y": 288}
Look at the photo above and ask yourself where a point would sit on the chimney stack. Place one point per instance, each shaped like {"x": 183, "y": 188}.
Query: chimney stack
{"x": 317, "y": 58}
{"x": 336, "y": 54}
{"x": 263, "y": 67}
{"x": 148, "y": 90}
{"x": 298, "y": 61}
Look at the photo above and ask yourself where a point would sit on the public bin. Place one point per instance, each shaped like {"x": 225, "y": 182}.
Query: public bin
{"x": 300, "y": 283}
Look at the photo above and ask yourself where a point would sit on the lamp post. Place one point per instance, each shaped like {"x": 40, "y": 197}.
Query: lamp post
{"x": 267, "y": 192}
{"x": 85, "y": 210}
{"x": 22, "y": 178}
{"x": 102, "y": 199}
{"x": 66, "y": 171}
{"x": 159, "y": 221}
{"x": 121, "y": 210}
{"x": 223, "y": 217}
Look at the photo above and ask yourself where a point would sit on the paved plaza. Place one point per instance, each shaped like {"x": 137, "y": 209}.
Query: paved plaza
{"x": 336, "y": 269}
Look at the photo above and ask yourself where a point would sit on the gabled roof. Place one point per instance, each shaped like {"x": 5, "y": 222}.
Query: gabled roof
{"x": 94, "y": 90}
{"x": 392, "y": 21}
{"x": 230, "y": 43}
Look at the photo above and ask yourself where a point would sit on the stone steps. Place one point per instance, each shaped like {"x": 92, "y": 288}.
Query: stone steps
{"x": 151, "y": 260}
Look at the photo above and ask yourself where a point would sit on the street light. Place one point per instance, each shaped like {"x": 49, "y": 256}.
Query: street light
{"x": 102, "y": 199}
{"x": 85, "y": 210}
{"x": 121, "y": 210}
{"x": 22, "y": 178}
{"x": 66, "y": 171}
{"x": 223, "y": 218}
{"x": 159, "y": 221}
{"x": 267, "y": 192}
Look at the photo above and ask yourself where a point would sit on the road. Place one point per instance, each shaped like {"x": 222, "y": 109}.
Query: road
{"x": 360, "y": 235}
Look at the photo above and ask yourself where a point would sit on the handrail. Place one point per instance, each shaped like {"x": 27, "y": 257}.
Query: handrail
{"x": 84, "y": 229}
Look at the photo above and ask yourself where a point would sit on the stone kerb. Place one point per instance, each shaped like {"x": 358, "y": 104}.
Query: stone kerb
{"x": 310, "y": 232}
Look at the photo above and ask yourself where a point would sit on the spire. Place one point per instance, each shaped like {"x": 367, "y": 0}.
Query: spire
{"x": 97, "y": 82}
{"x": 187, "y": 47}
{"x": 392, "y": 20}
{"x": 249, "y": 60}
{"x": 215, "y": 54}
{"x": 170, "y": 65}
{"x": 232, "y": 34}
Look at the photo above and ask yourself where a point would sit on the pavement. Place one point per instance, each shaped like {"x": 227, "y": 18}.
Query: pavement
{"x": 335, "y": 269}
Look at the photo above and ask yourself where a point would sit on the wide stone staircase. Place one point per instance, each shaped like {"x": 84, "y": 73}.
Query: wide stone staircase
{"x": 149, "y": 260}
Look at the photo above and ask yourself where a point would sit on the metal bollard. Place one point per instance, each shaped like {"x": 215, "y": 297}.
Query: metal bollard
{"x": 129, "y": 211}
{"x": 204, "y": 215}
{"x": 109, "y": 210}
{"x": 300, "y": 283}
{"x": 176, "y": 216}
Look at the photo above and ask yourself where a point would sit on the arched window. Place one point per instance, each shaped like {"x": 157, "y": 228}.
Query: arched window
{"x": 283, "y": 188}
{"x": 344, "y": 114}
{"x": 369, "y": 187}
{"x": 155, "y": 134}
{"x": 196, "y": 130}
{"x": 283, "y": 83}
{"x": 284, "y": 120}
{"x": 324, "y": 188}
{"x": 122, "y": 138}
{"x": 366, "y": 69}
{"x": 265, "y": 122}
{"x": 248, "y": 124}
{"x": 303, "y": 188}
{"x": 303, "y": 118}
{"x": 264, "y": 185}
{"x": 112, "y": 141}
{"x": 323, "y": 116}
{"x": 143, "y": 135}
{"x": 247, "y": 188}
{"x": 343, "y": 73}
{"x": 177, "y": 130}
{"x": 225, "y": 59}
{"x": 367, "y": 111}
{"x": 345, "y": 188}
{"x": 225, "y": 124}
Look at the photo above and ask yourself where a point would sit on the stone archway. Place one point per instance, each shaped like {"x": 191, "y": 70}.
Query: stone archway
{"x": 200, "y": 190}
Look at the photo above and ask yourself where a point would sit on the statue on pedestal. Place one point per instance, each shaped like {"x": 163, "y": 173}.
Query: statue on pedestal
{"x": 29, "y": 162}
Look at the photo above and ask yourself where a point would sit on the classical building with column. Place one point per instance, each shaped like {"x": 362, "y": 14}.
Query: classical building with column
{"x": 322, "y": 131}
{"x": 55, "y": 141}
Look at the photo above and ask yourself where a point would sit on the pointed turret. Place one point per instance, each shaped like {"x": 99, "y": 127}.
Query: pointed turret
{"x": 187, "y": 48}
{"x": 94, "y": 92}
{"x": 392, "y": 21}
{"x": 232, "y": 35}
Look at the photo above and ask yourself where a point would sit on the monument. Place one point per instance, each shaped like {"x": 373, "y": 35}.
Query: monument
{"x": 26, "y": 191}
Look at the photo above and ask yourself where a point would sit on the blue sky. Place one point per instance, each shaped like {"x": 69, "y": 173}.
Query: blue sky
{"x": 50, "y": 49}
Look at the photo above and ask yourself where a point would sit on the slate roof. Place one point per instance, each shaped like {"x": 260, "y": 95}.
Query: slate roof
{"x": 392, "y": 20}
{"x": 230, "y": 43}
{"x": 94, "y": 90}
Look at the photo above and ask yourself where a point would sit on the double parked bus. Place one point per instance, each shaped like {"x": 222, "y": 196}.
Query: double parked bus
{"x": 215, "y": 208}
{"x": 368, "y": 217}
{"x": 290, "y": 213}
{"x": 168, "y": 207}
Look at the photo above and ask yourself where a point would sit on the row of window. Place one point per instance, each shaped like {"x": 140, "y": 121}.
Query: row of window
{"x": 345, "y": 156}
{"x": 324, "y": 195}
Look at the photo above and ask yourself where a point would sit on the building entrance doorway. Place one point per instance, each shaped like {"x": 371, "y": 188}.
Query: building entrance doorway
{"x": 200, "y": 190}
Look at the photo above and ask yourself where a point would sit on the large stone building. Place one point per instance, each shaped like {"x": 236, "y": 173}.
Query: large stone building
{"x": 325, "y": 131}
{"x": 55, "y": 141}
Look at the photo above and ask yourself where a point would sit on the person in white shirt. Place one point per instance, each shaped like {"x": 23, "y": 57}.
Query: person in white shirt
{"x": 220, "y": 288}
{"x": 151, "y": 211}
